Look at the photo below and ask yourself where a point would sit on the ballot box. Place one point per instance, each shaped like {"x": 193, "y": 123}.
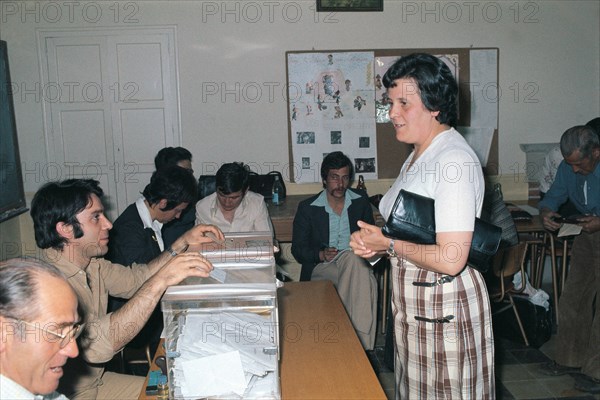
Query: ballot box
{"x": 221, "y": 332}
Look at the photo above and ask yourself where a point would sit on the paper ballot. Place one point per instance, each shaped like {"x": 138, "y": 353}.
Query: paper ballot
{"x": 214, "y": 375}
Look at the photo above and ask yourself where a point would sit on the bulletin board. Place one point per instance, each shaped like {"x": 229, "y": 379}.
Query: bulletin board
{"x": 335, "y": 103}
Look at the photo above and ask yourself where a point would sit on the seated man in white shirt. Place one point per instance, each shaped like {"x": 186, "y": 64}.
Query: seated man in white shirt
{"x": 234, "y": 208}
{"x": 136, "y": 236}
{"x": 38, "y": 324}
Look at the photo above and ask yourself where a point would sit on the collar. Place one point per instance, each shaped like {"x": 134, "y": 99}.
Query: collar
{"x": 321, "y": 200}
{"x": 62, "y": 260}
{"x": 10, "y": 389}
{"x": 145, "y": 216}
{"x": 214, "y": 207}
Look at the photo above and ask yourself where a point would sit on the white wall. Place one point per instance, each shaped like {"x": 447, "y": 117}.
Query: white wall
{"x": 549, "y": 64}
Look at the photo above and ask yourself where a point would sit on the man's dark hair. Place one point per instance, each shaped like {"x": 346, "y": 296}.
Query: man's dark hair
{"x": 437, "y": 86}
{"x": 582, "y": 138}
{"x": 594, "y": 124}
{"x": 60, "y": 202}
{"x": 19, "y": 284}
{"x": 336, "y": 160}
{"x": 170, "y": 156}
{"x": 233, "y": 177}
{"x": 175, "y": 184}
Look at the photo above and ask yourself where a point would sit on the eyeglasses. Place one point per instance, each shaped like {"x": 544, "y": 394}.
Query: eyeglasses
{"x": 65, "y": 338}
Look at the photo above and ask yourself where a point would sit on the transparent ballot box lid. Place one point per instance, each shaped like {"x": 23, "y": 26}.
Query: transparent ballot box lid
{"x": 240, "y": 247}
{"x": 222, "y": 341}
{"x": 243, "y": 257}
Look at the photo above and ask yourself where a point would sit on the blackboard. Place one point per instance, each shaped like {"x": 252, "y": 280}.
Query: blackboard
{"x": 12, "y": 196}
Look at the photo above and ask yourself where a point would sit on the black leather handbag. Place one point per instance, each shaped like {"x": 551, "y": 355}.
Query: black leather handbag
{"x": 413, "y": 220}
{"x": 263, "y": 184}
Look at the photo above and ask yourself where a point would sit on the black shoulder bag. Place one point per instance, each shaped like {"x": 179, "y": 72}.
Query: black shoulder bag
{"x": 263, "y": 184}
{"x": 413, "y": 220}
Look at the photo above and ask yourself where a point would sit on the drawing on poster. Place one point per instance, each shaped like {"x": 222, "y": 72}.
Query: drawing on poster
{"x": 364, "y": 165}
{"x": 336, "y": 137}
{"x": 305, "y": 137}
{"x": 332, "y": 96}
{"x": 305, "y": 162}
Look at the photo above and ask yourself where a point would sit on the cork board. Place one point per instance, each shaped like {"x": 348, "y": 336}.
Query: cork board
{"x": 478, "y": 104}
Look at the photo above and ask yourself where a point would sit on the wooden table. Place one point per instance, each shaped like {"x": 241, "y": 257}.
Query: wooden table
{"x": 320, "y": 355}
{"x": 533, "y": 226}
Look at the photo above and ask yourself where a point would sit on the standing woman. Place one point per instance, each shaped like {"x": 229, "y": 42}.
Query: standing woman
{"x": 442, "y": 318}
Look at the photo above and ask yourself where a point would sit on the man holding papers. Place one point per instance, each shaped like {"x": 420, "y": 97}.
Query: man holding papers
{"x": 578, "y": 180}
{"x": 321, "y": 243}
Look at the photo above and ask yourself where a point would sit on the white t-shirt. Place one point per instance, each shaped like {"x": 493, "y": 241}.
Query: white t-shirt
{"x": 449, "y": 172}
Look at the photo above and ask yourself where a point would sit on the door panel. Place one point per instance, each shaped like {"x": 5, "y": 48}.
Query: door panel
{"x": 115, "y": 105}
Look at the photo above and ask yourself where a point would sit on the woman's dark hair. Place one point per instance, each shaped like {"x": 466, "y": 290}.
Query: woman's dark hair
{"x": 175, "y": 184}
{"x": 233, "y": 177}
{"x": 437, "y": 86}
{"x": 170, "y": 156}
{"x": 60, "y": 202}
{"x": 582, "y": 138}
{"x": 336, "y": 160}
{"x": 19, "y": 283}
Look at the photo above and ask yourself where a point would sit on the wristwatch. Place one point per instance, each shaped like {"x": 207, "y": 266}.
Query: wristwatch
{"x": 391, "y": 252}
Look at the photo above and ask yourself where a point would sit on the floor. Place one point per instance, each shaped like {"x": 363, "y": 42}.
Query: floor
{"x": 517, "y": 374}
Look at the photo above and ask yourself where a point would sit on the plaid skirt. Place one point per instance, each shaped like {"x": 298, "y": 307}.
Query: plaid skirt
{"x": 443, "y": 334}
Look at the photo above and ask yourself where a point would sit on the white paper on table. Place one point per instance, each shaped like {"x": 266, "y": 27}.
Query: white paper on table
{"x": 569, "y": 230}
{"x": 214, "y": 375}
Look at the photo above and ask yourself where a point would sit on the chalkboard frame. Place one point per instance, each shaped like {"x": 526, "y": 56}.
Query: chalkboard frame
{"x": 12, "y": 198}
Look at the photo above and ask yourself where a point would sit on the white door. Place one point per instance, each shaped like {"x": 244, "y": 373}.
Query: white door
{"x": 111, "y": 104}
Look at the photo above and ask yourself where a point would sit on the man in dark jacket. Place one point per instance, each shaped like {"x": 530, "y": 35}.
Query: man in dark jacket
{"x": 181, "y": 157}
{"x": 136, "y": 236}
{"x": 322, "y": 228}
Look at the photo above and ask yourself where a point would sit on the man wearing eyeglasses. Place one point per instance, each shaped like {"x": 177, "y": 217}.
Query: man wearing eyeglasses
{"x": 38, "y": 326}
{"x": 321, "y": 243}
{"x": 137, "y": 235}
{"x": 69, "y": 223}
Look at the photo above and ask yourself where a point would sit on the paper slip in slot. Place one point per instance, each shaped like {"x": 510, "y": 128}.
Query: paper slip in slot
{"x": 240, "y": 247}
{"x": 218, "y": 274}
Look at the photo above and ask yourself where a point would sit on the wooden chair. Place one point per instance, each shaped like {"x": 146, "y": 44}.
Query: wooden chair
{"x": 556, "y": 248}
{"x": 382, "y": 273}
{"x": 508, "y": 262}
{"x": 131, "y": 356}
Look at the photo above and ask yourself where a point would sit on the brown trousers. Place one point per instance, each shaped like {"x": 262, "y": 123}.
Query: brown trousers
{"x": 578, "y": 338}
{"x": 356, "y": 285}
